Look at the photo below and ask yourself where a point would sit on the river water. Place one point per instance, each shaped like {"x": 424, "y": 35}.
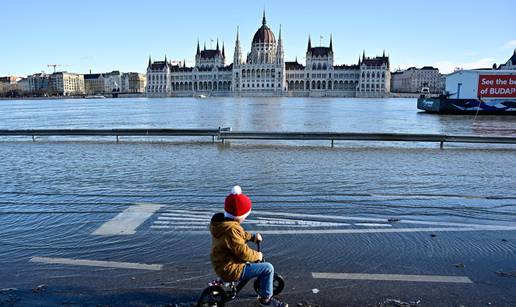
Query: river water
{"x": 247, "y": 114}
{"x": 54, "y": 193}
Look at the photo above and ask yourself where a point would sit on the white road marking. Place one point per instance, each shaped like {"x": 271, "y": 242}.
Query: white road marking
{"x": 368, "y": 219}
{"x": 325, "y": 217}
{"x": 444, "y": 224}
{"x": 176, "y": 223}
{"x": 168, "y": 218}
{"x": 97, "y": 263}
{"x": 296, "y": 222}
{"x": 206, "y": 226}
{"x": 128, "y": 220}
{"x": 192, "y": 212}
{"x": 179, "y": 227}
{"x": 285, "y": 219}
{"x": 395, "y": 277}
{"x": 261, "y": 220}
{"x": 375, "y": 230}
{"x": 372, "y": 225}
{"x": 169, "y": 214}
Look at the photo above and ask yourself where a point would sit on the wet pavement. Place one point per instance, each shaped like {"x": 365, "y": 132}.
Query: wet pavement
{"x": 99, "y": 223}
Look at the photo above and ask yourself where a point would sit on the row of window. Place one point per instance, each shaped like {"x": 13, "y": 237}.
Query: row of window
{"x": 162, "y": 77}
{"x": 373, "y": 74}
{"x": 322, "y": 85}
{"x": 259, "y": 85}
{"x": 377, "y": 85}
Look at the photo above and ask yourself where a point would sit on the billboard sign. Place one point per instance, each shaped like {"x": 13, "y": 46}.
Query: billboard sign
{"x": 497, "y": 86}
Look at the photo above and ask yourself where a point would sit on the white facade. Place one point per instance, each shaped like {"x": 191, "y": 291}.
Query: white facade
{"x": 413, "y": 80}
{"x": 114, "y": 82}
{"x": 66, "y": 84}
{"x": 133, "y": 82}
{"x": 264, "y": 72}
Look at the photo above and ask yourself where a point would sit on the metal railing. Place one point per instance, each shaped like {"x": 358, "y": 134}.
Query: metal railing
{"x": 392, "y": 137}
{"x": 115, "y": 132}
{"x": 224, "y": 134}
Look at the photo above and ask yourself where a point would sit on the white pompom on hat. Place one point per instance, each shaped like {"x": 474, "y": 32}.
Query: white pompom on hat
{"x": 236, "y": 190}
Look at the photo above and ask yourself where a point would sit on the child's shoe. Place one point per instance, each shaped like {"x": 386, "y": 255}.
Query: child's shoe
{"x": 272, "y": 302}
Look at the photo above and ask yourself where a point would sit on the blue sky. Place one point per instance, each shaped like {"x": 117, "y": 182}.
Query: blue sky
{"x": 105, "y": 35}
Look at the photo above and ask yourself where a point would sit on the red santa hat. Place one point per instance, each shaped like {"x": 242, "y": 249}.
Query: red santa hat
{"x": 237, "y": 205}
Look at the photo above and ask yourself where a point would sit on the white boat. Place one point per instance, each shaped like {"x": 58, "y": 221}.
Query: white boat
{"x": 95, "y": 97}
{"x": 201, "y": 96}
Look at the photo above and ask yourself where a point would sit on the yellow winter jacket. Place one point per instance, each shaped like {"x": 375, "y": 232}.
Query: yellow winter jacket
{"x": 229, "y": 250}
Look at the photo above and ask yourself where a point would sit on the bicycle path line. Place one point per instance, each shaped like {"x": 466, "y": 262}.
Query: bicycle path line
{"x": 366, "y": 231}
{"x": 186, "y": 219}
{"x": 273, "y": 222}
{"x": 126, "y": 222}
{"x": 261, "y": 214}
{"x": 394, "y": 277}
{"x": 258, "y": 215}
{"x": 98, "y": 263}
{"x": 257, "y": 220}
{"x": 370, "y": 219}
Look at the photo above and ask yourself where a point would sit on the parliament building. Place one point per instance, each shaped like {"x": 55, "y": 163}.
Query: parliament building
{"x": 264, "y": 72}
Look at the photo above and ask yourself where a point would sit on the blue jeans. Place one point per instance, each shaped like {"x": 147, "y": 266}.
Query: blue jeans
{"x": 264, "y": 271}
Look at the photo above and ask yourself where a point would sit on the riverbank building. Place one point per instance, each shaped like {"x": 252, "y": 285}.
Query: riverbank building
{"x": 264, "y": 72}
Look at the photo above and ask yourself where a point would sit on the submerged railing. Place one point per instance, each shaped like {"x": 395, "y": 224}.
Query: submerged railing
{"x": 224, "y": 134}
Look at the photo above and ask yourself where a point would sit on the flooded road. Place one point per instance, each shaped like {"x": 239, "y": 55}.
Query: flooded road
{"x": 98, "y": 222}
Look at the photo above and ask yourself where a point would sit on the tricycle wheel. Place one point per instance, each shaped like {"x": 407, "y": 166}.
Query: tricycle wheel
{"x": 278, "y": 284}
{"x": 213, "y": 296}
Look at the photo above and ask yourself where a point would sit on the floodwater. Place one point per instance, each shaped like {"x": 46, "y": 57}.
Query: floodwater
{"x": 321, "y": 209}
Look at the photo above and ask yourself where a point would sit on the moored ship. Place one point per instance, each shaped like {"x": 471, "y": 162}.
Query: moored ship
{"x": 475, "y": 92}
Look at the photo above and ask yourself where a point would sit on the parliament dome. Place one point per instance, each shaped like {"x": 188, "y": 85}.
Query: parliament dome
{"x": 264, "y": 35}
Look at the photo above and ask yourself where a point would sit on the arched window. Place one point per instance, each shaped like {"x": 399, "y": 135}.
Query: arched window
{"x": 314, "y": 67}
